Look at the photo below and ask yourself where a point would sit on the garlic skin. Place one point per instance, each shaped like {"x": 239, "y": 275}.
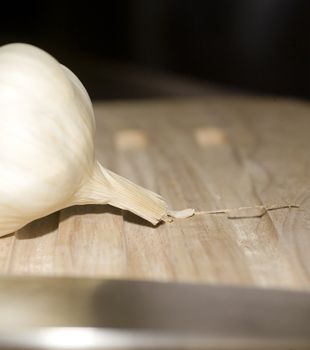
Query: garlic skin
{"x": 47, "y": 153}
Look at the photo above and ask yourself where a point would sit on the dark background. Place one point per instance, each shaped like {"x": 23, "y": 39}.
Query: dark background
{"x": 260, "y": 46}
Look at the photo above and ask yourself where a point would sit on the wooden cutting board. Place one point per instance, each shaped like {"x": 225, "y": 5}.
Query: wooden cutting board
{"x": 207, "y": 154}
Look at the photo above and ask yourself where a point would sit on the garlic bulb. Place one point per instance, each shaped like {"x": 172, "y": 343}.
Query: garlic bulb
{"x": 47, "y": 156}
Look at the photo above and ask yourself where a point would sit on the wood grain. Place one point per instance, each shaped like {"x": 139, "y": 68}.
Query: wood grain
{"x": 206, "y": 154}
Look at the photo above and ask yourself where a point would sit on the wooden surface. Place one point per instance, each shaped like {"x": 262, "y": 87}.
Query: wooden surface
{"x": 205, "y": 154}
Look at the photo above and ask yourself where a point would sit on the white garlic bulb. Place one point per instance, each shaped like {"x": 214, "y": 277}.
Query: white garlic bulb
{"x": 47, "y": 156}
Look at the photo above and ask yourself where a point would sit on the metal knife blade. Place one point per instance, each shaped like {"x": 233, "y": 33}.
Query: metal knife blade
{"x": 75, "y": 313}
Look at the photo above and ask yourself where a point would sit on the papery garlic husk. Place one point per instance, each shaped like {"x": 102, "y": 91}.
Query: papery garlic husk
{"x": 47, "y": 155}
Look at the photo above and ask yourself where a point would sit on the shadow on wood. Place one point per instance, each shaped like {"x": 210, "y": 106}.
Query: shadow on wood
{"x": 48, "y": 224}
{"x": 40, "y": 227}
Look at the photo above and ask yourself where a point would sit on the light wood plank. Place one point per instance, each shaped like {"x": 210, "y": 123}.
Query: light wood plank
{"x": 208, "y": 154}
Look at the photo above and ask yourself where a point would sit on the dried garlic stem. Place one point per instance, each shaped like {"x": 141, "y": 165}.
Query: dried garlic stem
{"x": 232, "y": 213}
{"x": 247, "y": 212}
{"x": 181, "y": 214}
{"x": 106, "y": 187}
